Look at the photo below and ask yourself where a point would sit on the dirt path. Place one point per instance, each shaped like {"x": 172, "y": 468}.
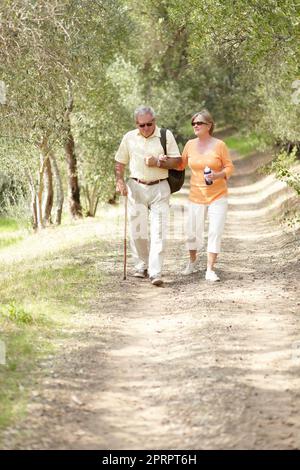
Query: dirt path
{"x": 189, "y": 365}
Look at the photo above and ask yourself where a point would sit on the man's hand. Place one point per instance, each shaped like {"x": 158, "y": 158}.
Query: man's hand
{"x": 150, "y": 161}
{"x": 121, "y": 187}
{"x": 120, "y": 183}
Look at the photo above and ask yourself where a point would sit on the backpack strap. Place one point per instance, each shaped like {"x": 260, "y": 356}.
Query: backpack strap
{"x": 163, "y": 139}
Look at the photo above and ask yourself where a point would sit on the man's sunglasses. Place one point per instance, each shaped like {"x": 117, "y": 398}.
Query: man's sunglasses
{"x": 199, "y": 123}
{"x": 149, "y": 124}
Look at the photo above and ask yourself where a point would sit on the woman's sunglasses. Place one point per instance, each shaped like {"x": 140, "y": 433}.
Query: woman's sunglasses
{"x": 199, "y": 123}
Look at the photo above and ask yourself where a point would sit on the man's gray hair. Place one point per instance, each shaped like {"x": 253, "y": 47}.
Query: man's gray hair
{"x": 144, "y": 110}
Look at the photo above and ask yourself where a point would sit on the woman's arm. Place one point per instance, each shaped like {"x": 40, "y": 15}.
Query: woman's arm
{"x": 163, "y": 162}
{"x": 228, "y": 167}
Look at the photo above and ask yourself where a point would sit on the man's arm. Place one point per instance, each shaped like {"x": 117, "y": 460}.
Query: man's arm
{"x": 120, "y": 183}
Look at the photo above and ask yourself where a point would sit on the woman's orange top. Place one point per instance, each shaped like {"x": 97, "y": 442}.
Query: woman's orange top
{"x": 217, "y": 159}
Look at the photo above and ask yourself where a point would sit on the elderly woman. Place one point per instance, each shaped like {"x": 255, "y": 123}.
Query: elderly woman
{"x": 208, "y": 193}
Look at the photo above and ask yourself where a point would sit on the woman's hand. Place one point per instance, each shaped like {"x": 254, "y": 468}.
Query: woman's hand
{"x": 215, "y": 175}
{"x": 153, "y": 161}
{"x": 150, "y": 161}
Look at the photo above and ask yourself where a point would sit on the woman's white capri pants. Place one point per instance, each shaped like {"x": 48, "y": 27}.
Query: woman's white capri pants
{"x": 216, "y": 212}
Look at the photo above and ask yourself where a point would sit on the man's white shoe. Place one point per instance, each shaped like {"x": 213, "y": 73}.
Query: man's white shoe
{"x": 156, "y": 280}
{"x": 211, "y": 276}
{"x": 142, "y": 273}
{"x": 191, "y": 268}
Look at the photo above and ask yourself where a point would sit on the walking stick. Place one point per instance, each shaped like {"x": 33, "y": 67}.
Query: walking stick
{"x": 125, "y": 238}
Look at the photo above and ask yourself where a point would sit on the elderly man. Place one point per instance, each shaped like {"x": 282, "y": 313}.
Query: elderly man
{"x": 148, "y": 190}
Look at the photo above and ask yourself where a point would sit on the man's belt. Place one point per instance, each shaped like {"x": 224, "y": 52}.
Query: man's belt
{"x": 149, "y": 183}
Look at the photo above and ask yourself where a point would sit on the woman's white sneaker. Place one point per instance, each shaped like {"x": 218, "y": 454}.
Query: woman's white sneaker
{"x": 191, "y": 268}
{"x": 211, "y": 276}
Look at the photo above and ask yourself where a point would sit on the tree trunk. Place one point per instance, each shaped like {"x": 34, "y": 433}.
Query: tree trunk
{"x": 86, "y": 193}
{"x": 74, "y": 190}
{"x": 91, "y": 199}
{"x": 48, "y": 200}
{"x": 96, "y": 205}
{"x": 59, "y": 190}
{"x": 33, "y": 201}
{"x": 94, "y": 200}
{"x": 34, "y": 211}
{"x": 39, "y": 195}
{"x": 39, "y": 210}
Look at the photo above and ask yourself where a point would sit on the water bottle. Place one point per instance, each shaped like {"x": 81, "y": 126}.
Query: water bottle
{"x": 207, "y": 170}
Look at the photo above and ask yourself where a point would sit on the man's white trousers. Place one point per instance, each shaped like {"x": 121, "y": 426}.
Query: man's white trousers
{"x": 148, "y": 202}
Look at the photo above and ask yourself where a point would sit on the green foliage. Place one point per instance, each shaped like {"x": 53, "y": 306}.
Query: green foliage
{"x": 238, "y": 59}
{"x": 21, "y": 351}
{"x": 4, "y": 242}
{"x": 47, "y": 290}
{"x": 45, "y": 48}
{"x": 98, "y": 130}
{"x": 8, "y": 225}
{"x": 291, "y": 219}
{"x": 13, "y": 191}
{"x": 11, "y": 231}
{"x": 279, "y": 120}
{"x": 248, "y": 53}
{"x": 283, "y": 167}
{"x": 16, "y": 314}
{"x": 243, "y": 143}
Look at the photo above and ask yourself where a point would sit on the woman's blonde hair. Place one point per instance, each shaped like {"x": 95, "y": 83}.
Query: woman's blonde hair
{"x": 208, "y": 118}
